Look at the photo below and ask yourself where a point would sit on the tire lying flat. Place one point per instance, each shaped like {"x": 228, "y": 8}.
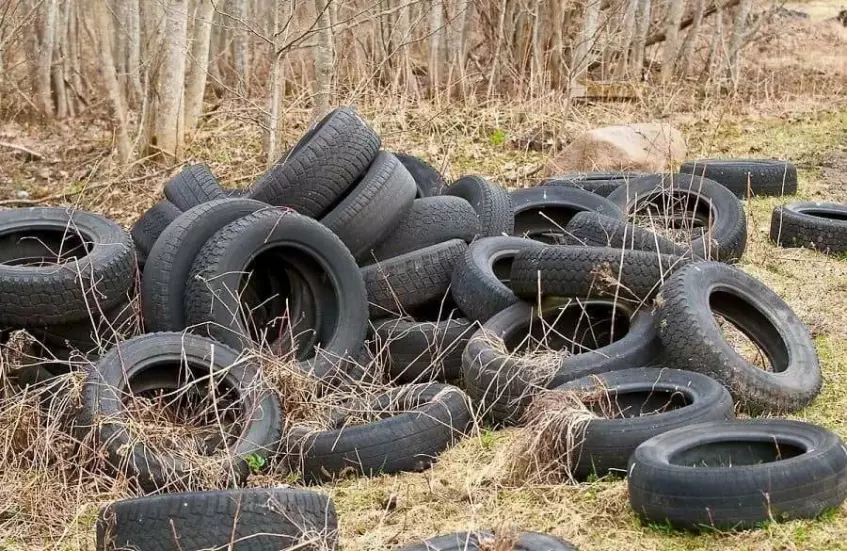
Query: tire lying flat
{"x": 541, "y": 213}
{"x": 255, "y": 519}
{"x": 593, "y": 229}
{"x": 476, "y": 541}
{"x": 737, "y": 475}
{"x": 693, "y": 340}
{"x": 601, "y": 183}
{"x": 765, "y": 177}
{"x": 820, "y": 226}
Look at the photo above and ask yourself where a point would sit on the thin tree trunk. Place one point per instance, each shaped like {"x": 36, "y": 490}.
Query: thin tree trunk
{"x": 642, "y": 27}
{"x": 57, "y": 68}
{"x": 196, "y": 80}
{"x": 133, "y": 54}
{"x": 627, "y": 36}
{"x": 103, "y": 22}
{"x": 323, "y": 61}
{"x": 240, "y": 46}
{"x": 495, "y": 62}
{"x": 670, "y": 49}
{"x": 169, "y": 115}
{"x": 587, "y": 39}
{"x": 537, "y": 72}
{"x": 436, "y": 43}
{"x": 45, "y": 58}
{"x": 715, "y": 47}
{"x": 275, "y": 90}
{"x": 739, "y": 29}
{"x": 687, "y": 55}
{"x": 119, "y": 11}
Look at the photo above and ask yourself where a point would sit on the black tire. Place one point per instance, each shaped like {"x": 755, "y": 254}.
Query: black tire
{"x": 375, "y": 208}
{"x": 738, "y": 475}
{"x": 541, "y": 213}
{"x": 193, "y": 186}
{"x": 169, "y": 263}
{"x": 428, "y": 180}
{"x": 291, "y": 244}
{"x": 412, "y": 279}
{"x": 477, "y": 541}
{"x": 479, "y": 285}
{"x": 688, "y": 303}
{"x": 421, "y": 351}
{"x": 491, "y": 202}
{"x": 601, "y": 183}
{"x": 315, "y": 174}
{"x": 432, "y": 220}
{"x": 436, "y": 417}
{"x": 705, "y": 202}
{"x": 150, "y": 226}
{"x": 821, "y": 226}
{"x": 96, "y": 333}
{"x": 597, "y": 230}
{"x": 254, "y": 519}
{"x": 502, "y": 382}
{"x": 634, "y": 405}
{"x": 765, "y": 177}
{"x": 67, "y": 292}
{"x": 170, "y": 361}
{"x": 581, "y": 272}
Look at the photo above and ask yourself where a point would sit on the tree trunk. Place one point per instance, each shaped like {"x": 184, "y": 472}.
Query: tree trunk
{"x": 670, "y": 49}
{"x": 537, "y": 72}
{"x": 323, "y": 61}
{"x": 627, "y": 36}
{"x": 133, "y": 54}
{"x": 103, "y": 22}
{"x": 642, "y": 27}
{"x": 690, "y": 45}
{"x": 495, "y": 62}
{"x": 240, "y": 45}
{"x": 57, "y": 70}
{"x": 45, "y": 58}
{"x": 196, "y": 83}
{"x": 436, "y": 43}
{"x": 168, "y": 117}
{"x": 275, "y": 88}
{"x": 736, "y": 43}
{"x": 586, "y": 40}
{"x": 715, "y": 47}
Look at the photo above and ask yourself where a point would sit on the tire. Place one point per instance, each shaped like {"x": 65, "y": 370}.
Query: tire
{"x": 437, "y": 417}
{"x": 428, "y": 180}
{"x": 582, "y": 272}
{"x": 152, "y": 362}
{"x": 421, "y": 351}
{"x": 169, "y": 263}
{"x": 491, "y": 202}
{"x": 193, "y": 186}
{"x": 322, "y": 166}
{"x": 601, "y": 183}
{"x": 291, "y": 244}
{"x": 541, "y": 213}
{"x": 479, "y": 285}
{"x": 780, "y": 470}
{"x": 150, "y": 226}
{"x": 67, "y": 292}
{"x": 502, "y": 383}
{"x": 411, "y": 280}
{"x": 432, "y": 220}
{"x": 693, "y": 340}
{"x": 766, "y": 177}
{"x": 597, "y": 230}
{"x": 821, "y": 226}
{"x": 478, "y": 541}
{"x": 633, "y": 405}
{"x": 97, "y": 333}
{"x": 254, "y": 519}
{"x": 713, "y": 206}
{"x": 375, "y": 207}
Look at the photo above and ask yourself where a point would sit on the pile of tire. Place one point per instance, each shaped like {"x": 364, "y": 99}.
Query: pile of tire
{"x": 362, "y": 268}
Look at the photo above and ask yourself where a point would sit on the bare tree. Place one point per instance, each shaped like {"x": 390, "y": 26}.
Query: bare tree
{"x": 240, "y": 44}
{"x": 587, "y": 39}
{"x": 196, "y": 80}
{"x": 642, "y": 27}
{"x": 436, "y": 43}
{"x": 323, "y": 61}
{"x": 716, "y": 46}
{"x": 110, "y": 79}
{"x": 670, "y": 49}
{"x": 168, "y": 127}
{"x": 736, "y": 43}
{"x": 133, "y": 53}
{"x": 45, "y": 57}
{"x": 687, "y": 55}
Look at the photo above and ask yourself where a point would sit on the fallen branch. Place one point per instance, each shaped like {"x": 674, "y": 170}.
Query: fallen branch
{"x": 31, "y": 155}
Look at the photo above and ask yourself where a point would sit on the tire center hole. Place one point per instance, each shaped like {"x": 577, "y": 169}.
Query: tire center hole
{"x": 736, "y": 453}
{"x": 37, "y": 248}
{"x": 625, "y": 404}
{"x": 745, "y": 328}
{"x": 675, "y": 215}
{"x": 545, "y": 224}
{"x": 828, "y": 214}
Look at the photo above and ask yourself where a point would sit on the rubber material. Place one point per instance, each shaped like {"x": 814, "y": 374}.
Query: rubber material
{"x": 596, "y": 230}
{"x": 601, "y": 183}
{"x": 193, "y": 186}
{"x": 738, "y": 475}
{"x": 765, "y": 177}
{"x": 150, "y": 225}
{"x": 428, "y": 180}
{"x": 542, "y": 213}
{"x": 822, "y": 226}
{"x": 477, "y": 541}
{"x": 491, "y": 202}
{"x": 693, "y": 340}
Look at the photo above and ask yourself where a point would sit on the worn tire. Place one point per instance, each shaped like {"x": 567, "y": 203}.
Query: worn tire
{"x": 601, "y": 183}
{"x": 581, "y": 272}
{"x": 502, "y": 383}
{"x": 412, "y": 279}
{"x": 67, "y": 292}
{"x": 478, "y": 541}
{"x": 693, "y": 340}
{"x": 479, "y": 285}
{"x": 766, "y": 177}
{"x": 193, "y": 186}
{"x": 432, "y": 220}
{"x": 428, "y": 180}
{"x": 315, "y": 174}
{"x": 635, "y": 405}
{"x": 300, "y": 245}
{"x": 253, "y": 519}
{"x": 150, "y": 226}
{"x": 437, "y": 417}
{"x": 713, "y": 205}
{"x": 97, "y": 332}
{"x": 375, "y": 207}
{"x": 597, "y": 230}
{"x": 421, "y": 351}
{"x": 169, "y": 262}
{"x": 542, "y": 213}
{"x": 738, "y": 475}
{"x": 151, "y": 362}
{"x": 821, "y": 226}
{"x": 492, "y": 204}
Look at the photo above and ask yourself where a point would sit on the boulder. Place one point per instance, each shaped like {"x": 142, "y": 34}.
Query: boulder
{"x": 646, "y": 147}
